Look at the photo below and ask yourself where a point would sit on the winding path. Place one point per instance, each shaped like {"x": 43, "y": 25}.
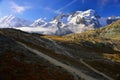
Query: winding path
{"x": 70, "y": 69}
{"x": 98, "y": 72}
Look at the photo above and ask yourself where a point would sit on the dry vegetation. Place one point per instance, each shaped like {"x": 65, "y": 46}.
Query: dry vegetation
{"x": 104, "y": 41}
{"x": 100, "y": 48}
{"x": 109, "y": 68}
{"x": 11, "y": 68}
{"x": 113, "y": 57}
{"x": 17, "y": 63}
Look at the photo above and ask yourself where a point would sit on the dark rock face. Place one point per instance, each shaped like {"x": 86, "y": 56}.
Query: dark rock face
{"x": 63, "y": 31}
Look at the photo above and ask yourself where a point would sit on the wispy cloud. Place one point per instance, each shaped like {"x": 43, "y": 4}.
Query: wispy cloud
{"x": 59, "y": 11}
{"x": 53, "y": 10}
{"x": 67, "y": 5}
{"x": 18, "y": 8}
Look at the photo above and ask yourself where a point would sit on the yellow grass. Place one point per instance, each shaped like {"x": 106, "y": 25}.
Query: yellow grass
{"x": 113, "y": 57}
{"x": 56, "y": 38}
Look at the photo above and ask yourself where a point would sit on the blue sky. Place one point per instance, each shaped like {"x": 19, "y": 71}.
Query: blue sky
{"x": 34, "y": 9}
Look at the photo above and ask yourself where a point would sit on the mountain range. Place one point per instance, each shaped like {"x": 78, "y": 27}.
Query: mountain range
{"x": 77, "y": 22}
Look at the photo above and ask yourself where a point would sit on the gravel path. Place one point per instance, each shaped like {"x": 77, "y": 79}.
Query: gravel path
{"x": 90, "y": 67}
{"x": 70, "y": 69}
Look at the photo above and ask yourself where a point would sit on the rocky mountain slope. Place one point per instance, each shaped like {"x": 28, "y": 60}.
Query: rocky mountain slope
{"x": 13, "y": 22}
{"x": 95, "y": 53}
{"x": 18, "y": 63}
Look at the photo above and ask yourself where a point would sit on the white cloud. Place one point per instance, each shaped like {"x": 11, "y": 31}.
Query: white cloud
{"x": 17, "y": 8}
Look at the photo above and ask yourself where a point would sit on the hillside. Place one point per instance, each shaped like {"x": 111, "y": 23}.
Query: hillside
{"x": 97, "y": 47}
{"x": 18, "y": 63}
{"x": 95, "y": 54}
{"x": 106, "y": 37}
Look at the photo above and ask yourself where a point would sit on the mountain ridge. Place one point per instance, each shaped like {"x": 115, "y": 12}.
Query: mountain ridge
{"x": 12, "y": 21}
{"x": 77, "y": 22}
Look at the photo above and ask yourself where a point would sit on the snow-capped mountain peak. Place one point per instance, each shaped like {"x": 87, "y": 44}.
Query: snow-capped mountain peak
{"x": 39, "y": 22}
{"x": 7, "y": 18}
{"x": 11, "y": 21}
{"x": 84, "y": 17}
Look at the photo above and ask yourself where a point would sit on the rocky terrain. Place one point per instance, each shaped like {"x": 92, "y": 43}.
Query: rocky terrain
{"x": 95, "y": 54}
{"x": 100, "y": 48}
{"x": 18, "y": 63}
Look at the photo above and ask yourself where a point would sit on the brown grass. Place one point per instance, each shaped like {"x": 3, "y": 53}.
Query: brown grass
{"x": 11, "y": 69}
{"x": 107, "y": 68}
